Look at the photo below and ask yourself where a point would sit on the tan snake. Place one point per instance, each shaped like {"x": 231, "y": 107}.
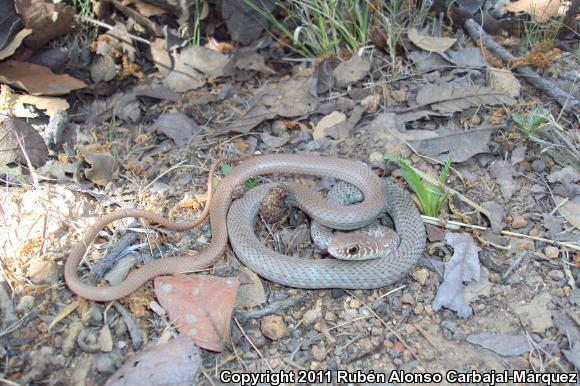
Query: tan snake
{"x": 291, "y": 271}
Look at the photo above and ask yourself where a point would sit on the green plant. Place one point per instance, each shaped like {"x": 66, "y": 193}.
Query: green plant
{"x": 84, "y": 7}
{"x": 320, "y": 27}
{"x": 541, "y": 127}
{"x": 248, "y": 184}
{"x": 540, "y": 36}
{"x": 195, "y": 38}
{"x": 431, "y": 197}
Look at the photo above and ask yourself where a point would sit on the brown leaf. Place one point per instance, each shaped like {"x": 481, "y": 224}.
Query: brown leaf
{"x": 105, "y": 167}
{"x": 174, "y": 363}
{"x": 48, "y": 104}
{"x": 449, "y": 99}
{"x": 37, "y": 80}
{"x": 146, "y": 9}
{"x": 47, "y": 20}
{"x": 14, "y": 44}
{"x": 540, "y": 10}
{"x": 16, "y": 136}
{"x": 200, "y": 306}
{"x": 430, "y": 43}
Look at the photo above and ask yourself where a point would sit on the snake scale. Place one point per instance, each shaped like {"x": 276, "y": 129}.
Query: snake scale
{"x": 238, "y": 224}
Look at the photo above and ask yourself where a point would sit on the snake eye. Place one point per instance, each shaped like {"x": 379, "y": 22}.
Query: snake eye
{"x": 353, "y": 250}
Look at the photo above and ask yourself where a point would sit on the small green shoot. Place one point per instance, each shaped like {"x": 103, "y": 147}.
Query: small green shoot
{"x": 227, "y": 168}
{"x": 530, "y": 126}
{"x": 431, "y": 197}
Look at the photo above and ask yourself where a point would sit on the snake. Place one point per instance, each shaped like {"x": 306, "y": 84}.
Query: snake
{"x": 234, "y": 221}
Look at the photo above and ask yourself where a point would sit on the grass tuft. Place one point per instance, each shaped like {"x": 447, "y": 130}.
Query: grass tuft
{"x": 431, "y": 197}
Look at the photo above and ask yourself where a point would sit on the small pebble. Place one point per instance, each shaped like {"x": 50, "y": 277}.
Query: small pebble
{"x": 311, "y": 316}
{"x": 419, "y": 308}
{"x": 279, "y": 127}
{"x": 273, "y": 327}
{"x": 318, "y": 352}
{"x": 409, "y": 328}
{"x": 377, "y": 160}
{"x": 407, "y": 299}
{"x": 330, "y": 316}
{"x": 105, "y": 364}
{"x": 537, "y": 188}
{"x": 421, "y": 275}
{"x": 105, "y": 339}
{"x": 538, "y": 166}
{"x": 43, "y": 272}
{"x": 429, "y": 309}
{"x": 518, "y": 221}
{"x": 556, "y": 275}
{"x": 25, "y": 304}
{"x": 156, "y": 307}
{"x": 552, "y": 252}
{"x": 354, "y": 303}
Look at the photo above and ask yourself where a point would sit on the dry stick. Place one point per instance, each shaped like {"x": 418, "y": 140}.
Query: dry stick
{"x": 564, "y": 99}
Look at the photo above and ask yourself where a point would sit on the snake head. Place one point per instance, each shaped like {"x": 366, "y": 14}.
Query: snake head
{"x": 361, "y": 245}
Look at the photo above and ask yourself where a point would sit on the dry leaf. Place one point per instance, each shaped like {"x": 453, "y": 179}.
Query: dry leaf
{"x": 16, "y": 135}
{"x": 199, "y": 306}
{"x": 541, "y": 10}
{"x": 50, "y": 105}
{"x": 104, "y": 167}
{"x": 174, "y": 363}
{"x": 462, "y": 267}
{"x": 37, "y": 80}
{"x": 47, "y": 20}
{"x": 63, "y": 313}
{"x": 430, "y": 43}
{"x": 146, "y": 9}
{"x": 14, "y": 44}
{"x": 450, "y": 99}
{"x": 570, "y": 210}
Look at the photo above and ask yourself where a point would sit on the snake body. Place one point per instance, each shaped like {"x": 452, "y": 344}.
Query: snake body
{"x": 239, "y": 225}
{"x": 329, "y": 273}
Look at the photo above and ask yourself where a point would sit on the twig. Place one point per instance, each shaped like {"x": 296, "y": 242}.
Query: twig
{"x": 252, "y": 344}
{"x": 272, "y": 308}
{"x": 8, "y": 382}
{"x": 564, "y": 99}
{"x": 134, "y": 331}
{"x": 457, "y": 224}
{"x": 109, "y": 27}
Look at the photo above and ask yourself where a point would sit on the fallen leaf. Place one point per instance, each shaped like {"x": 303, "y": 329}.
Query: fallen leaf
{"x": 119, "y": 37}
{"x": 467, "y": 57}
{"x": 327, "y": 122}
{"x": 50, "y": 105}
{"x": 353, "y": 70}
{"x": 565, "y": 175}
{"x": 146, "y": 9}
{"x": 244, "y": 24}
{"x": 20, "y": 142}
{"x": 16, "y": 41}
{"x": 506, "y": 345}
{"x": 199, "y": 306}
{"x": 183, "y": 78}
{"x": 430, "y": 43}
{"x": 253, "y": 61}
{"x": 497, "y": 212}
{"x": 177, "y": 126}
{"x": 540, "y": 10}
{"x": 503, "y": 80}
{"x": 573, "y": 355}
{"x": 252, "y": 291}
{"x": 205, "y": 60}
{"x": 462, "y": 267}
{"x": 450, "y": 99}
{"x": 462, "y": 146}
{"x": 504, "y": 174}
{"x": 570, "y": 210}
{"x": 37, "y": 80}
{"x": 46, "y": 20}
{"x": 174, "y": 363}
{"x": 63, "y": 313}
{"x": 104, "y": 167}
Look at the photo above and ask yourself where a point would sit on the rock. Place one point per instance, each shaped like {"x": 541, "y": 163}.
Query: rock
{"x": 273, "y": 327}
{"x": 119, "y": 272}
{"x": 156, "y": 307}
{"x": 421, "y": 275}
{"x": 311, "y": 317}
{"x": 25, "y": 304}
{"x": 409, "y": 328}
{"x": 331, "y": 126}
{"x": 105, "y": 339}
{"x": 93, "y": 316}
{"x": 536, "y": 314}
{"x": 70, "y": 341}
{"x": 518, "y": 221}
{"x": 537, "y": 189}
{"x": 552, "y": 252}
{"x": 279, "y": 127}
{"x": 355, "y": 304}
{"x": 556, "y": 275}
{"x": 377, "y": 160}
{"x": 407, "y": 299}
{"x": 419, "y": 308}
{"x": 538, "y": 166}
{"x": 503, "y": 80}
{"x": 318, "y": 352}
{"x": 43, "y": 271}
{"x": 351, "y": 71}
{"x": 105, "y": 364}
